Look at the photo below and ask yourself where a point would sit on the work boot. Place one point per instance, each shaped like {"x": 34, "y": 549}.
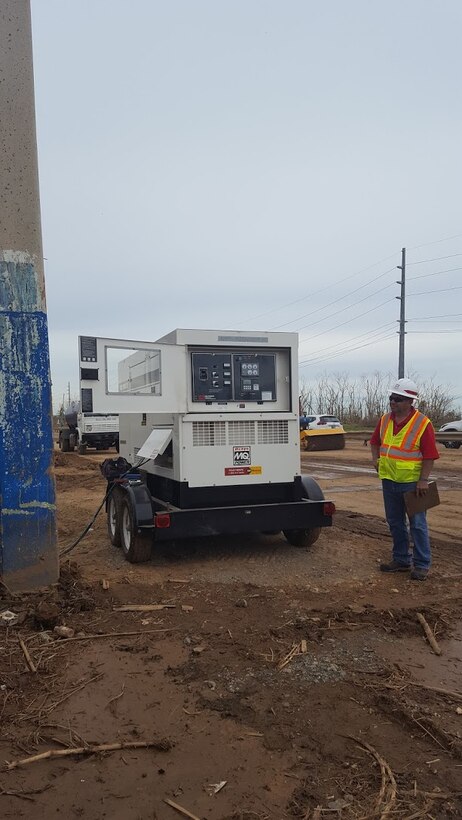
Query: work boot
{"x": 393, "y": 566}
{"x": 419, "y": 574}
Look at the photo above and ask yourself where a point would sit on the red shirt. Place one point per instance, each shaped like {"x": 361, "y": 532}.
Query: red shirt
{"x": 427, "y": 442}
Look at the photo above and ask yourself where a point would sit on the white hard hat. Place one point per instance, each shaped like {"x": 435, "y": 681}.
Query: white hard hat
{"x": 405, "y": 387}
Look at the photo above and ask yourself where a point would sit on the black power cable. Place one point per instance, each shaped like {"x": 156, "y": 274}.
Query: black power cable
{"x": 82, "y": 535}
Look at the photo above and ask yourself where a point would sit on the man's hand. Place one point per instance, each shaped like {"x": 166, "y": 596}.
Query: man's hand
{"x": 422, "y": 486}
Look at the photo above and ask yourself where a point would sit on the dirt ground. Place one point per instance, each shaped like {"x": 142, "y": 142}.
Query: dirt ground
{"x": 275, "y": 682}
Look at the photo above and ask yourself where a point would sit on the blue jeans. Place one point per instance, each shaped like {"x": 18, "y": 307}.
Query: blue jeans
{"x": 395, "y": 512}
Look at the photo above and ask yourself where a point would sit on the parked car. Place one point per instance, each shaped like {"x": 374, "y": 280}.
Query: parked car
{"x": 452, "y": 427}
{"x": 319, "y": 421}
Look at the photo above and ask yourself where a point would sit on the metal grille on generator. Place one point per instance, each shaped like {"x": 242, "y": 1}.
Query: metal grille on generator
{"x": 273, "y": 432}
{"x": 241, "y": 432}
{"x": 209, "y": 433}
{"x": 219, "y": 433}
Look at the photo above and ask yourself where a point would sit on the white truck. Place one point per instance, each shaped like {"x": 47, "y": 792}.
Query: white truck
{"x": 81, "y": 424}
{"x": 81, "y": 430}
{"x": 209, "y": 421}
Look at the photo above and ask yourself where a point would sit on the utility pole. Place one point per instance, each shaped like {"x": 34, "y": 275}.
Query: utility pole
{"x": 402, "y": 313}
{"x": 28, "y": 541}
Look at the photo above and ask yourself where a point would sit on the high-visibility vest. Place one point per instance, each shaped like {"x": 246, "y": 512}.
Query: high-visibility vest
{"x": 400, "y": 457}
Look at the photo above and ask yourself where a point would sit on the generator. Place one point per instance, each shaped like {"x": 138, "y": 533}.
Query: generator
{"x": 209, "y": 437}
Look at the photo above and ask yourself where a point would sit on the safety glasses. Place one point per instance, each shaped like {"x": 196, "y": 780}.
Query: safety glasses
{"x": 398, "y": 399}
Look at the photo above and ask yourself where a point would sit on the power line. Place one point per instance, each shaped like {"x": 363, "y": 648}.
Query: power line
{"x": 350, "y": 276}
{"x": 336, "y": 312}
{"x": 431, "y": 320}
{"x": 439, "y": 290}
{"x": 437, "y": 259}
{"x": 434, "y": 331}
{"x": 439, "y": 316}
{"x": 435, "y": 273}
{"x": 347, "y": 321}
{"x": 436, "y": 242}
{"x": 353, "y": 339}
{"x": 350, "y": 350}
{"x": 327, "y": 287}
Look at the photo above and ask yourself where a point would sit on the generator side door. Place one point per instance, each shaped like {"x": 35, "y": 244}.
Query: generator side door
{"x": 126, "y": 376}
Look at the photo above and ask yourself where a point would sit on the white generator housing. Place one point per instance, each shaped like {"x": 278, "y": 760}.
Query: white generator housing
{"x": 220, "y": 407}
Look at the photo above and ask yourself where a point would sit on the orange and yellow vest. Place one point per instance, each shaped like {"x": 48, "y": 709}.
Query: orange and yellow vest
{"x": 400, "y": 457}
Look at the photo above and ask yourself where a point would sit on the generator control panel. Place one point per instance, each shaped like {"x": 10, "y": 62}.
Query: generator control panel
{"x": 233, "y": 377}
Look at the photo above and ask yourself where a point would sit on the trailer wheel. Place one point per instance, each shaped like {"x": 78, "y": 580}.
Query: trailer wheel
{"x": 113, "y": 518}
{"x": 302, "y": 538}
{"x": 64, "y": 443}
{"x": 135, "y": 545}
{"x": 306, "y": 538}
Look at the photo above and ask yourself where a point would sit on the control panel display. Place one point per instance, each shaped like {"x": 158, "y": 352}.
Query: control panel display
{"x": 88, "y": 349}
{"x": 227, "y": 377}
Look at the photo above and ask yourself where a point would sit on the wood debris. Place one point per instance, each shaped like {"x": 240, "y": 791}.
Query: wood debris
{"x": 143, "y": 607}
{"x": 111, "y": 635}
{"x": 386, "y": 797}
{"x": 429, "y": 634}
{"x": 27, "y": 656}
{"x": 181, "y": 809}
{"x": 160, "y": 745}
{"x": 297, "y": 649}
{"x": 104, "y": 583}
{"x": 112, "y": 701}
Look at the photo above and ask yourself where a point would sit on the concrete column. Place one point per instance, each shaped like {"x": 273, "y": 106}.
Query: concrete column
{"x": 28, "y": 543}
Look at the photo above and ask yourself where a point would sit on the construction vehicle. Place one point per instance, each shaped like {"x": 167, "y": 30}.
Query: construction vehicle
{"x": 321, "y": 432}
{"x": 80, "y": 430}
{"x": 209, "y": 438}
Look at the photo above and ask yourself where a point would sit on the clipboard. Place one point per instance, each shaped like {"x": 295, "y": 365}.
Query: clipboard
{"x": 419, "y": 503}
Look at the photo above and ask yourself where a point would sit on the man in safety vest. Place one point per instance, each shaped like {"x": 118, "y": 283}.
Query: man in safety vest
{"x": 403, "y": 451}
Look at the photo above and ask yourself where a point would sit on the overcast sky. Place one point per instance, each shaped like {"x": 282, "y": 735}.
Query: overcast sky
{"x": 253, "y": 165}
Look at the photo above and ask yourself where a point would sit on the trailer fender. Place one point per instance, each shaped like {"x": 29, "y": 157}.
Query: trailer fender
{"x": 140, "y": 501}
{"x": 311, "y": 489}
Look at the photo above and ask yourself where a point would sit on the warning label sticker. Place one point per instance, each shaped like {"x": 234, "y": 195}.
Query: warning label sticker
{"x": 243, "y": 470}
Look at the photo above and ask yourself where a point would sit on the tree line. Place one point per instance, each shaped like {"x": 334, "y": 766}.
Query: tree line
{"x": 361, "y": 401}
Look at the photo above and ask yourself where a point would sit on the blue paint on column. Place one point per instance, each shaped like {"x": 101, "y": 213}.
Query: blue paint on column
{"x": 28, "y": 554}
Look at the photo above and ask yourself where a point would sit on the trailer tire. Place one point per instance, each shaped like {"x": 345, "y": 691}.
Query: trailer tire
{"x": 136, "y": 546}
{"x": 306, "y": 538}
{"x": 113, "y": 518}
{"x": 302, "y": 538}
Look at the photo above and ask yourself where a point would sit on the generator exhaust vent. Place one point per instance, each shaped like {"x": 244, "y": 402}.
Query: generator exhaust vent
{"x": 272, "y": 432}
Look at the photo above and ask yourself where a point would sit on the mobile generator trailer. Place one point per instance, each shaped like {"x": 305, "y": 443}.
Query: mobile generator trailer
{"x": 208, "y": 436}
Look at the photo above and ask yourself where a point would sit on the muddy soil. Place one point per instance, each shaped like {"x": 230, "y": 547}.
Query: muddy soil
{"x": 268, "y": 682}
